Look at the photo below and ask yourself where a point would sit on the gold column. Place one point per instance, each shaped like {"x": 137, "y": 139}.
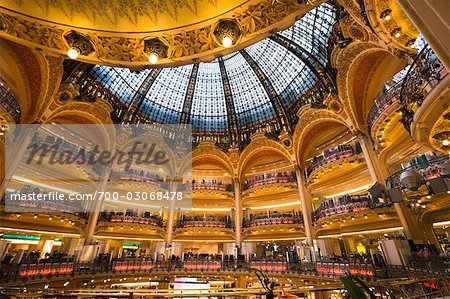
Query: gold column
{"x": 380, "y": 174}
{"x": 306, "y": 204}
{"x": 431, "y": 18}
{"x": 20, "y": 147}
{"x": 171, "y": 217}
{"x": 238, "y": 212}
{"x": 97, "y": 205}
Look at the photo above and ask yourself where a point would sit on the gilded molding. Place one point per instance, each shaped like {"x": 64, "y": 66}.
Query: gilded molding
{"x": 256, "y": 21}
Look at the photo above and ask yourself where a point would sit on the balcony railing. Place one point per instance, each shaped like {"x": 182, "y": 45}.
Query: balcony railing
{"x": 334, "y": 154}
{"x": 387, "y": 98}
{"x": 205, "y": 222}
{"x": 145, "y": 219}
{"x": 134, "y": 175}
{"x": 9, "y": 103}
{"x": 267, "y": 179}
{"x": 425, "y": 73}
{"x": 212, "y": 185}
{"x": 346, "y": 204}
{"x": 273, "y": 219}
{"x": 433, "y": 266}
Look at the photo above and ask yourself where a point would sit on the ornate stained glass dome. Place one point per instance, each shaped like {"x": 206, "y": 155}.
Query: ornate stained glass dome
{"x": 259, "y": 86}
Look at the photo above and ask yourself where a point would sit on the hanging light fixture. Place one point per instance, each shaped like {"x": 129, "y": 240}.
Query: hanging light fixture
{"x": 156, "y": 49}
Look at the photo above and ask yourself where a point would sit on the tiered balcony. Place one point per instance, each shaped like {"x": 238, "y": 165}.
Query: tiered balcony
{"x": 206, "y": 189}
{"x": 273, "y": 181}
{"x": 278, "y": 223}
{"x": 349, "y": 154}
{"x": 138, "y": 176}
{"x": 42, "y": 271}
{"x": 274, "y": 219}
{"x": 426, "y": 72}
{"x": 347, "y": 205}
{"x": 388, "y": 100}
{"x": 131, "y": 224}
{"x": 188, "y": 222}
{"x": 384, "y": 116}
{"x": 206, "y": 227}
{"x": 129, "y": 218}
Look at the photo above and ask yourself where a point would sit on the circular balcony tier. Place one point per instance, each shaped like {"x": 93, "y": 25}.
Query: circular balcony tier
{"x": 335, "y": 168}
{"x": 269, "y": 189}
{"x": 274, "y": 232}
{"x": 129, "y": 231}
{"x": 211, "y": 234}
{"x": 363, "y": 223}
{"x": 61, "y": 224}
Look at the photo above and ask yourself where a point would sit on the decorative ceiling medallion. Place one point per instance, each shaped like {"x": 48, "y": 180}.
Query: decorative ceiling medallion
{"x": 79, "y": 42}
{"x": 227, "y": 31}
{"x": 249, "y": 24}
{"x": 156, "y": 49}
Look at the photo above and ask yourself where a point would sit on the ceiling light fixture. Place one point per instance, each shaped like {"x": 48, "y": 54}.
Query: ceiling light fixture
{"x": 79, "y": 44}
{"x": 156, "y": 49}
{"x": 386, "y": 14}
{"x": 73, "y": 53}
{"x": 227, "y": 42}
{"x": 226, "y": 32}
{"x": 153, "y": 58}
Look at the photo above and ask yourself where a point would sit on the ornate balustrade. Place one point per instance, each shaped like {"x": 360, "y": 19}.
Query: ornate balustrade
{"x": 138, "y": 176}
{"x": 133, "y": 265}
{"x": 211, "y": 185}
{"x": 424, "y": 73}
{"x": 267, "y": 179}
{"x": 11, "y": 273}
{"x": 205, "y": 222}
{"x": 334, "y": 154}
{"x": 146, "y": 219}
{"x": 267, "y": 265}
{"x": 202, "y": 265}
{"x": 342, "y": 269}
{"x": 346, "y": 204}
{"x": 273, "y": 219}
{"x": 383, "y": 102}
{"x": 9, "y": 103}
{"x": 46, "y": 269}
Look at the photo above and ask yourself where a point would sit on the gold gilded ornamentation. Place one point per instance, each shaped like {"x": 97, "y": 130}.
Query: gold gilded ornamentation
{"x": 129, "y": 48}
{"x": 80, "y": 42}
{"x": 33, "y": 32}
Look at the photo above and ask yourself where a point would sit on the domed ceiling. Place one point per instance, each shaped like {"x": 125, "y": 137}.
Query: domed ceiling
{"x": 265, "y": 82}
{"x": 127, "y": 32}
{"x": 124, "y": 16}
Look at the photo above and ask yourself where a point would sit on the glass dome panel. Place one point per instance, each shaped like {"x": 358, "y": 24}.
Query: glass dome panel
{"x": 289, "y": 75}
